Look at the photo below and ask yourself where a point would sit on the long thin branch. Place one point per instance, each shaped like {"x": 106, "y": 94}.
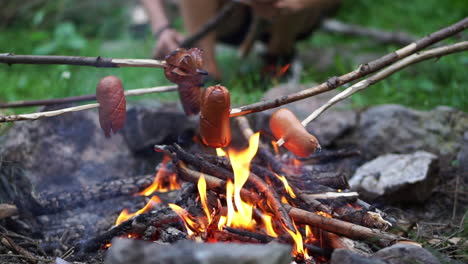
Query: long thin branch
{"x": 336, "y": 26}
{"x": 361, "y": 71}
{"x": 415, "y": 58}
{"x": 361, "y": 85}
{"x": 88, "y": 97}
{"x": 10, "y": 58}
{"x": 35, "y": 116}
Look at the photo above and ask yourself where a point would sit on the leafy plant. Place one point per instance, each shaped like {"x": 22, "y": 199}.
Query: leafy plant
{"x": 65, "y": 37}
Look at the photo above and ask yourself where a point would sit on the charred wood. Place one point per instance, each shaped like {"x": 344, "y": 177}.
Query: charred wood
{"x": 51, "y": 203}
{"x": 340, "y": 227}
{"x": 160, "y": 218}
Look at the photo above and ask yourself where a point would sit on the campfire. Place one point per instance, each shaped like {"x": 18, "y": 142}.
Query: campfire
{"x": 256, "y": 194}
{"x": 275, "y": 187}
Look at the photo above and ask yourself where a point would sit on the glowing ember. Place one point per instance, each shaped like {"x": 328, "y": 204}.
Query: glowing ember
{"x": 160, "y": 180}
{"x": 324, "y": 214}
{"x": 275, "y": 148}
{"x": 241, "y": 215}
{"x": 284, "y": 200}
{"x": 125, "y": 215}
{"x": 298, "y": 249}
{"x": 190, "y": 224}
{"x": 202, "y": 192}
{"x": 220, "y": 152}
{"x": 286, "y": 186}
{"x": 267, "y": 222}
{"x": 283, "y": 70}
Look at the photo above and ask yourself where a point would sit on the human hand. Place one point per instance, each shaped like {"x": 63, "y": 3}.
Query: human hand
{"x": 168, "y": 41}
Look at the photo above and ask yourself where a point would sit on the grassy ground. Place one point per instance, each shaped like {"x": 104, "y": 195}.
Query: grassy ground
{"x": 423, "y": 86}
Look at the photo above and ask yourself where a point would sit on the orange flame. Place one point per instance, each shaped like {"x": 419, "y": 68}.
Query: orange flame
{"x": 275, "y": 147}
{"x": 220, "y": 152}
{"x": 202, "y": 192}
{"x": 241, "y": 215}
{"x": 321, "y": 213}
{"x": 298, "y": 249}
{"x": 288, "y": 188}
{"x": 125, "y": 215}
{"x": 309, "y": 236}
{"x": 267, "y": 222}
{"x": 190, "y": 224}
{"x": 161, "y": 177}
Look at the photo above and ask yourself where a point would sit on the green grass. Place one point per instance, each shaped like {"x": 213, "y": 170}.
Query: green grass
{"x": 423, "y": 86}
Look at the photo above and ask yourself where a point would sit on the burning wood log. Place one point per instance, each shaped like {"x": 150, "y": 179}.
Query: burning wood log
{"x": 350, "y": 230}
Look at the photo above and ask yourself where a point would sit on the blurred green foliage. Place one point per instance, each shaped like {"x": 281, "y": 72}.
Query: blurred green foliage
{"x": 102, "y": 28}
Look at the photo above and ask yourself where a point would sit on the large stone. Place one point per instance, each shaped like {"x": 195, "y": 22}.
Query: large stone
{"x": 396, "y": 254}
{"x": 344, "y": 256}
{"x": 409, "y": 177}
{"x": 124, "y": 251}
{"x": 397, "y": 129}
{"x": 406, "y": 253}
{"x": 331, "y": 125}
{"x": 156, "y": 124}
{"x": 66, "y": 151}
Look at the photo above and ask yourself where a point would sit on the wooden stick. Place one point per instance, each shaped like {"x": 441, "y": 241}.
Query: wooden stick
{"x": 350, "y": 230}
{"x": 336, "y": 26}
{"x": 89, "y": 97}
{"x": 35, "y": 116}
{"x": 100, "y": 62}
{"x": 361, "y": 71}
{"x": 8, "y": 210}
{"x": 359, "y": 86}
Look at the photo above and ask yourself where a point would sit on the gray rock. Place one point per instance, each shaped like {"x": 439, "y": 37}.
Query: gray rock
{"x": 344, "y": 256}
{"x": 409, "y": 177}
{"x": 397, "y": 129}
{"x": 67, "y": 150}
{"x": 462, "y": 158}
{"x": 331, "y": 125}
{"x": 156, "y": 124}
{"x": 406, "y": 253}
{"x": 124, "y": 251}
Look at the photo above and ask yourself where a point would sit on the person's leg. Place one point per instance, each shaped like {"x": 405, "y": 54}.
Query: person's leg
{"x": 195, "y": 14}
{"x": 286, "y": 28}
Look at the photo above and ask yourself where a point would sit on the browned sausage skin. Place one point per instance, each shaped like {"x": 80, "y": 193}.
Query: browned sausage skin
{"x": 215, "y": 130}
{"x": 284, "y": 124}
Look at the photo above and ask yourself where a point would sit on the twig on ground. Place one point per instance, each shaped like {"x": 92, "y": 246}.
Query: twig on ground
{"x": 8, "y": 210}
{"x": 89, "y": 97}
{"x": 361, "y": 85}
{"x": 10, "y": 58}
{"x": 361, "y": 71}
{"x": 336, "y": 26}
{"x": 35, "y": 116}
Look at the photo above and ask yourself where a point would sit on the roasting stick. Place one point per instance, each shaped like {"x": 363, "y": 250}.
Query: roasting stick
{"x": 361, "y": 85}
{"x": 101, "y": 62}
{"x": 332, "y": 83}
{"x": 35, "y": 116}
{"x": 361, "y": 71}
